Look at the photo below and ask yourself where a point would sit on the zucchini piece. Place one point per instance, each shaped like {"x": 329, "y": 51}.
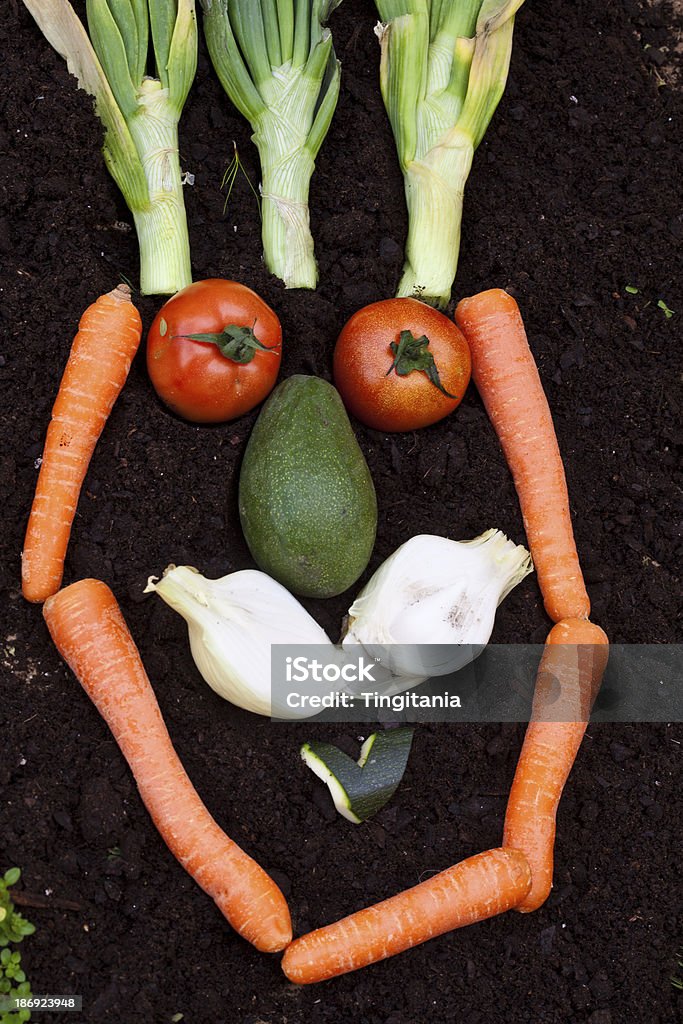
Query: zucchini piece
{"x": 361, "y": 788}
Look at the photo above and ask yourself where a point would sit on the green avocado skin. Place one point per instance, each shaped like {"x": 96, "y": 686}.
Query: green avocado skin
{"x": 306, "y": 498}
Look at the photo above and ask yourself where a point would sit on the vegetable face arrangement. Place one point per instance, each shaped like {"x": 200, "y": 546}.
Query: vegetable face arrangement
{"x": 139, "y": 113}
{"x": 277, "y": 64}
{"x": 232, "y": 618}
{"x": 307, "y": 502}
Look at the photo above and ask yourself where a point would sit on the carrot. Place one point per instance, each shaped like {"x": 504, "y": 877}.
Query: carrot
{"x": 472, "y": 890}
{"x": 108, "y": 337}
{"x": 575, "y": 656}
{"x": 506, "y": 376}
{"x": 90, "y": 633}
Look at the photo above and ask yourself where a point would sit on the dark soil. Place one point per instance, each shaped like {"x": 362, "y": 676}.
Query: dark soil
{"x": 575, "y": 194}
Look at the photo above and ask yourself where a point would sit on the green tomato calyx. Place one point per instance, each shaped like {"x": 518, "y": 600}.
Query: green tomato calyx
{"x": 411, "y": 353}
{"x": 238, "y": 344}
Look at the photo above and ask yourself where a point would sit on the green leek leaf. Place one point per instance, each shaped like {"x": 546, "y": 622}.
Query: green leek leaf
{"x": 227, "y": 60}
{"x": 403, "y": 78}
{"x": 271, "y": 30}
{"x": 63, "y": 30}
{"x": 487, "y": 78}
{"x": 302, "y": 32}
{"x": 454, "y": 19}
{"x": 247, "y": 20}
{"x": 162, "y": 20}
{"x": 460, "y": 71}
{"x": 111, "y": 51}
{"x": 285, "y": 20}
{"x": 139, "y": 66}
{"x": 181, "y": 65}
{"x": 131, "y": 20}
{"x": 319, "y": 57}
{"x": 494, "y": 13}
{"x": 326, "y": 106}
{"x": 391, "y": 9}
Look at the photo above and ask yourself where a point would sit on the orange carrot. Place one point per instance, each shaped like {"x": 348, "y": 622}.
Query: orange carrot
{"x": 472, "y": 890}
{"x": 506, "y": 376}
{"x": 575, "y": 657}
{"x": 108, "y": 337}
{"x": 90, "y": 633}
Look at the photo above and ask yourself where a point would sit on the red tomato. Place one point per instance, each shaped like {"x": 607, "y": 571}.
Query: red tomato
{"x": 393, "y": 358}
{"x": 193, "y": 377}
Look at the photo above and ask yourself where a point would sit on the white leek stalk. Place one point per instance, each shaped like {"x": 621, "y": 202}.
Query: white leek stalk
{"x": 140, "y": 114}
{"x": 232, "y": 623}
{"x": 443, "y": 70}
{"x": 429, "y": 609}
{"x": 276, "y": 62}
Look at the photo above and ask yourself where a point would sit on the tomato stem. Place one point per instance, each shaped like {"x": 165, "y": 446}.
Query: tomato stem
{"x": 238, "y": 344}
{"x": 411, "y": 354}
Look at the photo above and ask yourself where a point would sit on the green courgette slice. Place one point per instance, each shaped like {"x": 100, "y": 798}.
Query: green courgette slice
{"x": 361, "y": 788}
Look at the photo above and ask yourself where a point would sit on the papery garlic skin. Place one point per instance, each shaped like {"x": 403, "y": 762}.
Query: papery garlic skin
{"x": 430, "y": 607}
{"x": 232, "y": 624}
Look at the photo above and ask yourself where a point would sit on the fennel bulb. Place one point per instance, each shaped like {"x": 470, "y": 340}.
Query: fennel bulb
{"x": 232, "y": 623}
{"x": 430, "y": 607}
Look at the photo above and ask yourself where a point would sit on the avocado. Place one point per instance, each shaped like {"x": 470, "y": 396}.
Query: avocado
{"x": 306, "y": 498}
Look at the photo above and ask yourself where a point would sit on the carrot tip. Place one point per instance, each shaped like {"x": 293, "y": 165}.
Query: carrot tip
{"x": 271, "y": 945}
{"x": 528, "y": 905}
{"x": 35, "y": 596}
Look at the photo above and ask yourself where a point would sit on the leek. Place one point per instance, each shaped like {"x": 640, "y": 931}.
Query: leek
{"x": 140, "y": 114}
{"x": 276, "y": 62}
{"x": 443, "y": 69}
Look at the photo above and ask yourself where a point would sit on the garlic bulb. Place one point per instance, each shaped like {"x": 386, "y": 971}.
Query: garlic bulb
{"x": 429, "y": 609}
{"x": 232, "y": 623}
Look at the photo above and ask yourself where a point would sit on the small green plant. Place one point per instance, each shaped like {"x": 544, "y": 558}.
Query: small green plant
{"x": 234, "y": 168}
{"x": 13, "y": 929}
{"x": 676, "y": 981}
{"x": 668, "y": 313}
{"x": 631, "y": 289}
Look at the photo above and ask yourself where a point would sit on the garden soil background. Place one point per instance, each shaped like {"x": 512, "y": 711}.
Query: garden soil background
{"x": 575, "y": 194}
